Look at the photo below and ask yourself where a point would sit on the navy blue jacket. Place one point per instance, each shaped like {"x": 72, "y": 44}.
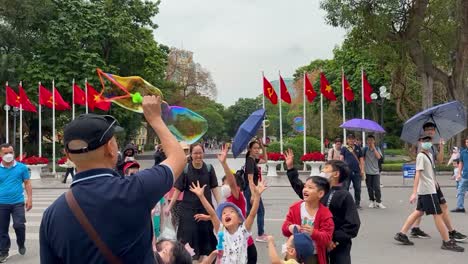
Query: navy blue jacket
{"x": 119, "y": 208}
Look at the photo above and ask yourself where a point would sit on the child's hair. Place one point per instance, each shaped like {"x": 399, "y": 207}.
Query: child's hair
{"x": 341, "y": 167}
{"x": 179, "y": 253}
{"x": 321, "y": 183}
{"x": 457, "y": 161}
{"x": 223, "y": 179}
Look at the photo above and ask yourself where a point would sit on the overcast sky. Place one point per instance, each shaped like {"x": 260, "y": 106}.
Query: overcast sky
{"x": 238, "y": 39}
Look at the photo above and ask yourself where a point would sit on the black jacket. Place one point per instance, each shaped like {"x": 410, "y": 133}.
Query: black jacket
{"x": 342, "y": 206}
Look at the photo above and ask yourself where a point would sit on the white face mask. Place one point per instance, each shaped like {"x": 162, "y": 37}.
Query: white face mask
{"x": 8, "y": 157}
{"x": 284, "y": 249}
{"x": 325, "y": 175}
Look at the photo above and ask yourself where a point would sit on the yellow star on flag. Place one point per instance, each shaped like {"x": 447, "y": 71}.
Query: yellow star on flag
{"x": 328, "y": 88}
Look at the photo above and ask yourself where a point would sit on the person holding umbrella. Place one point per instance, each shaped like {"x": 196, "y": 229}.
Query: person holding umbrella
{"x": 440, "y": 122}
{"x": 252, "y": 173}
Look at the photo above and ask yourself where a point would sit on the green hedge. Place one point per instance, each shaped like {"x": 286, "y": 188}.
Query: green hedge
{"x": 401, "y": 152}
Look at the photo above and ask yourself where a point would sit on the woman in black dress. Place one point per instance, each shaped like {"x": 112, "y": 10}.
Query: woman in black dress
{"x": 252, "y": 159}
{"x": 200, "y": 234}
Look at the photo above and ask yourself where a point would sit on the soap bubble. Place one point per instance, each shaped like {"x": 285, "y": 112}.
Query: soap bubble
{"x": 298, "y": 124}
{"x": 128, "y": 93}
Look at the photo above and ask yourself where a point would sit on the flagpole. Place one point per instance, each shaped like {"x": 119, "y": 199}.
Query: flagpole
{"x": 362, "y": 106}
{"x": 280, "y": 116}
{"x": 321, "y": 124}
{"x": 343, "y": 101}
{"x": 7, "y": 108}
{"x": 40, "y": 121}
{"x": 53, "y": 127}
{"x": 21, "y": 125}
{"x": 86, "y": 94}
{"x": 73, "y": 99}
{"x": 304, "y": 110}
{"x": 264, "y": 119}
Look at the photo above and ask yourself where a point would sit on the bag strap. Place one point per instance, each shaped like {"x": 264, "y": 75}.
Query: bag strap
{"x": 89, "y": 229}
{"x": 354, "y": 154}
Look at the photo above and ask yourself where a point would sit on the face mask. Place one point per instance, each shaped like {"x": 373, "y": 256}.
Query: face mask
{"x": 8, "y": 157}
{"x": 326, "y": 175}
{"x": 426, "y": 145}
{"x": 284, "y": 249}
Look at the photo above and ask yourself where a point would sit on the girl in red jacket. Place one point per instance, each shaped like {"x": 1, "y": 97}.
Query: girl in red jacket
{"x": 311, "y": 217}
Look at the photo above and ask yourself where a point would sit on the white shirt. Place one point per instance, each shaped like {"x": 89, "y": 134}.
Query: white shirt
{"x": 427, "y": 178}
{"x": 307, "y": 219}
{"x": 235, "y": 246}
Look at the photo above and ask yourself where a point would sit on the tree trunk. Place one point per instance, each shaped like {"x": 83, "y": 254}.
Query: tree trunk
{"x": 428, "y": 90}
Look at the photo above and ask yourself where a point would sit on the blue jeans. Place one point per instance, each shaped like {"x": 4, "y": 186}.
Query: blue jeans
{"x": 355, "y": 177}
{"x": 18, "y": 214}
{"x": 462, "y": 189}
{"x": 260, "y": 212}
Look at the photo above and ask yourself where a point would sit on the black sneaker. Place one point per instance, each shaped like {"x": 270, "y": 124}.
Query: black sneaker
{"x": 3, "y": 257}
{"x": 400, "y": 237}
{"x": 457, "y": 236}
{"x": 416, "y": 232}
{"x": 358, "y": 206}
{"x": 458, "y": 210}
{"x": 452, "y": 246}
{"x": 22, "y": 250}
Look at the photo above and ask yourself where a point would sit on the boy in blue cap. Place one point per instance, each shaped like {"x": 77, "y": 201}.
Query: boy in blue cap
{"x": 298, "y": 248}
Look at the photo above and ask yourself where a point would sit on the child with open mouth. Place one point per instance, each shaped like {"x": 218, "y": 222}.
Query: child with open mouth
{"x": 233, "y": 230}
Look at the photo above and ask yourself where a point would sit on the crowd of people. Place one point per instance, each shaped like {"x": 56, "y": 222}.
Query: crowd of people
{"x": 175, "y": 211}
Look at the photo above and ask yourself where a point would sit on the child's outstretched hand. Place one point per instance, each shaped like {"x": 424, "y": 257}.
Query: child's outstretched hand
{"x": 259, "y": 188}
{"x": 289, "y": 156}
{"x": 196, "y": 189}
{"x": 223, "y": 155}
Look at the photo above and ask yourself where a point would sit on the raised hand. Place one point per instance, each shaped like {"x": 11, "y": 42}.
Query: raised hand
{"x": 196, "y": 189}
{"x": 289, "y": 156}
{"x": 223, "y": 155}
{"x": 151, "y": 107}
{"x": 259, "y": 188}
{"x": 202, "y": 217}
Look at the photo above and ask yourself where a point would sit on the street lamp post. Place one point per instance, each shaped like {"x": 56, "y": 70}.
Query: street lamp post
{"x": 15, "y": 114}
{"x": 379, "y": 99}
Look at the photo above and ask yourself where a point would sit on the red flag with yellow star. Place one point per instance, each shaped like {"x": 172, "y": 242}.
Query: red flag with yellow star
{"x": 12, "y": 99}
{"x": 348, "y": 92}
{"x": 269, "y": 92}
{"x": 326, "y": 89}
{"x": 26, "y": 104}
{"x": 79, "y": 95}
{"x": 309, "y": 89}
{"x": 96, "y": 100}
{"x": 46, "y": 99}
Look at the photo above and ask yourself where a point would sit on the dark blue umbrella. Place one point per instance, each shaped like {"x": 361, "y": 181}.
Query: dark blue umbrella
{"x": 449, "y": 118}
{"x": 366, "y": 125}
{"x": 247, "y": 131}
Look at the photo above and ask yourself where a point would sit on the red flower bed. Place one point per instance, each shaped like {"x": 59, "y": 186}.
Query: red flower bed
{"x": 275, "y": 156}
{"x": 313, "y": 156}
{"x": 34, "y": 160}
{"x": 62, "y": 161}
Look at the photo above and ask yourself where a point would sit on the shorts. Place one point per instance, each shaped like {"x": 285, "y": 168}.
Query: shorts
{"x": 429, "y": 204}
{"x": 440, "y": 195}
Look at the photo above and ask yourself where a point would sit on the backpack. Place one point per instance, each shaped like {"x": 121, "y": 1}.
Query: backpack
{"x": 240, "y": 173}
{"x": 379, "y": 161}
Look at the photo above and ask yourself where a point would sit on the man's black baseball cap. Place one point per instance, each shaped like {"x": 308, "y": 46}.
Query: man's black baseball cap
{"x": 95, "y": 130}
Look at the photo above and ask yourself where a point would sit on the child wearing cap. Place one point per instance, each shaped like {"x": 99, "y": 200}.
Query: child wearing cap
{"x": 228, "y": 221}
{"x": 299, "y": 248}
{"x": 311, "y": 217}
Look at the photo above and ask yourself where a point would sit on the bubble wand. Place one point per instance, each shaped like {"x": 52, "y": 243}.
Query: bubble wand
{"x": 220, "y": 246}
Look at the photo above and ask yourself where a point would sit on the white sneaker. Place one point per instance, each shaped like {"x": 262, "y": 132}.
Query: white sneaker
{"x": 372, "y": 204}
{"x": 380, "y": 205}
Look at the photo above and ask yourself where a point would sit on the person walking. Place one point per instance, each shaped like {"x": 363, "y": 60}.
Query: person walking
{"x": 352, "y": 155}
{"x": 105, "y": 217}
{"x": 13, "y": 175}
{"x": 70, "y": 170}
{"x": 371, "y": 155}
{"x": 425, "y": 192}
{"x": 198, "y": 234}
{"x": 462, "y": 177}
{"x": 253, "y": 173}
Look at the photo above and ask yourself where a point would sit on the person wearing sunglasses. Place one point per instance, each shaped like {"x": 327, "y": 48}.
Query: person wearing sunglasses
{"x": 105, "y": 217}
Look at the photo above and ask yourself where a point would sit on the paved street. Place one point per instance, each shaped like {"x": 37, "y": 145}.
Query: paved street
{"x": 374, "y": 244}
